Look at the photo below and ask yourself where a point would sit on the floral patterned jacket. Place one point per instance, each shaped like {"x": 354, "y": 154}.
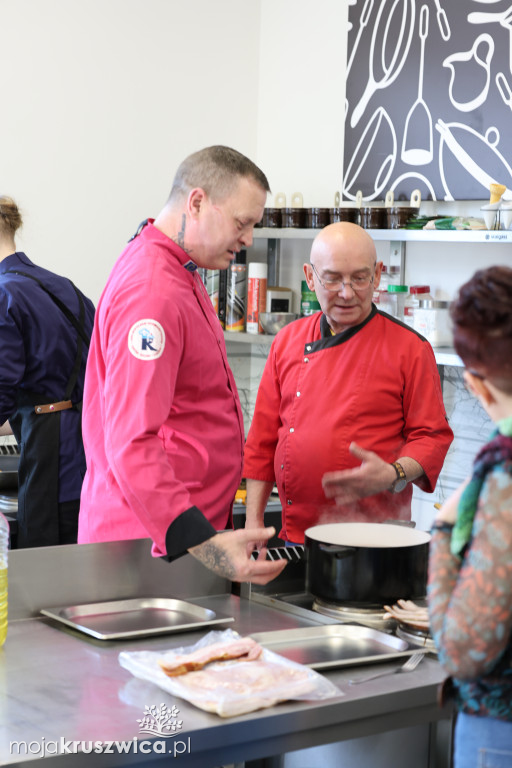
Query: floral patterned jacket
{"x": 470, "y": 603}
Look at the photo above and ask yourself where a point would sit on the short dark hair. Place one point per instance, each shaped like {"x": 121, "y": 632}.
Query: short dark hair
{"x": 215, "y": 169}
{"x": 482, "y": 325}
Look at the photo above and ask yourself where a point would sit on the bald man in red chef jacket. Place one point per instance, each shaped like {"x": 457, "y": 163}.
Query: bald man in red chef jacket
{"x": 349, "y": 411}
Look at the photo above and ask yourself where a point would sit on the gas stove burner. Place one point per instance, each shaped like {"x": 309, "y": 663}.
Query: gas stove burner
{"x": 344, "y": 608}
{"x": 414, "y": 636}
{"x": 369, "y": 614}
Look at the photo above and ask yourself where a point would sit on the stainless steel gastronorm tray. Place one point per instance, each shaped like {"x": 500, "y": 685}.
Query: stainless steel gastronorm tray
{"x": 135, "y": 617}
{"x": 335, "y": 645}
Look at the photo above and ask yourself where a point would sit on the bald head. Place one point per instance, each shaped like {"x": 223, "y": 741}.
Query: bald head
{"x": 344, "y": 238}
{"x": 343, "y": 271}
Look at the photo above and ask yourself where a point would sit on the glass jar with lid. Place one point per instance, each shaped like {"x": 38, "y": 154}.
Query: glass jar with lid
{"x": 398, "y": 295}
{"x": 432, "y": 320}
{"x": 378, "y": 293}
{"x": 416, "y": 293}
{"x": 371, "y": 217}
{"x": 390, "y": 275}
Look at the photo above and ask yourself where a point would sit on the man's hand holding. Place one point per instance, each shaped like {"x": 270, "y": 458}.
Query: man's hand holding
{"x": 229, "y": 555}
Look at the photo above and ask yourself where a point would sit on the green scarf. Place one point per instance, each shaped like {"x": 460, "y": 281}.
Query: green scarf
{"x": 496, "y": 451}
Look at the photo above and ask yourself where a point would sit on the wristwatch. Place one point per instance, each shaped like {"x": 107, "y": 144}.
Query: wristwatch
{"x": 401, "y": 478}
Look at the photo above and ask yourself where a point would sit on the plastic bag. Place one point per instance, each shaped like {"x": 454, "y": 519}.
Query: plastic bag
{"x": 233, "y": 687}
{"x": 456, "y": 222}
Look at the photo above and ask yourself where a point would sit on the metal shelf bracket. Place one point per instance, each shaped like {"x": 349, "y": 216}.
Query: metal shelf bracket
{"x": 273, "y": 260}
{"x": 397, "y": 256}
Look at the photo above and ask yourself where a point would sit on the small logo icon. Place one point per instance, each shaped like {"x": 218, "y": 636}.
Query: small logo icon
{"x": 146, "y": 339}
{"x": 160, "y": 721}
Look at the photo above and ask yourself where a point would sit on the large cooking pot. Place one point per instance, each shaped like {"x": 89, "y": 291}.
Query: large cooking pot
{"x": 9, "y": 472}
{"x": 366, "y": 563}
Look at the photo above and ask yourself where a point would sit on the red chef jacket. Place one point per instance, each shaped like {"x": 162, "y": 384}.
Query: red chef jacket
{"x": 376, "y": 384}
{"x": 162, "y": 422}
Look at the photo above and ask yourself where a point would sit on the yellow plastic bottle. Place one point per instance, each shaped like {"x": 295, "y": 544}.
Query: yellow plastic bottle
{"x": 4, "y": 546}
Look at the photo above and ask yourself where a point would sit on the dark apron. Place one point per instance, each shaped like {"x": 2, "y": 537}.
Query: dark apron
{"x": 36, "y": 427}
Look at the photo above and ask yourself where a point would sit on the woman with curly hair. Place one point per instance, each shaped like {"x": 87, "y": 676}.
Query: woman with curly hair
{"x": 470, "y": 572}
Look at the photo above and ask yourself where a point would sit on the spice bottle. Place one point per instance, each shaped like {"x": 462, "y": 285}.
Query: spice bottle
{"x": 256, "y": 296}
{"x": 223, "y": 297}
{"x": 212, "y": 287}
{"x": 237, "y": 293}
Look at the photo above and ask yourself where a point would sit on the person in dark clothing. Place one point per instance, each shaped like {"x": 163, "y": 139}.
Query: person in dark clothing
{"x": 45, "y": 328}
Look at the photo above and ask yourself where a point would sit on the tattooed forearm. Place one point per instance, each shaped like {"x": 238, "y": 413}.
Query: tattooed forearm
{"x": 215, "y": 559}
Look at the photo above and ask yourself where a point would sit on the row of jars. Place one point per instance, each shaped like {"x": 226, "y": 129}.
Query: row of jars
{"x": 369, "y": 217}
{"x": 416, "y": 307}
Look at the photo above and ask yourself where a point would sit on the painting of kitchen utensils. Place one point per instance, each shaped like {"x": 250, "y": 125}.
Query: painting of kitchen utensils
{"x": 418, "y": 139}
{"x": 428, "y": 100}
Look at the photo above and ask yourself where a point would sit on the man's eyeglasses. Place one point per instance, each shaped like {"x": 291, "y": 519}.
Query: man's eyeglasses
{"x": 356, "y": 283}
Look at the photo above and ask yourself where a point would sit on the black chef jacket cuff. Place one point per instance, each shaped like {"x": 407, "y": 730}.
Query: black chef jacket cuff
{"x": 188, "y": 530}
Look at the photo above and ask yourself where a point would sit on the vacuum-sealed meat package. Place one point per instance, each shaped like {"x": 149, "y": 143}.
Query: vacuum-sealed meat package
{"x": 227, "y": 674}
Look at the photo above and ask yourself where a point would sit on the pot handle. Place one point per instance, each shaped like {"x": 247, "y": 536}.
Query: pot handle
{"x": 337, "y": 549}
{"x": 404, "y": 523}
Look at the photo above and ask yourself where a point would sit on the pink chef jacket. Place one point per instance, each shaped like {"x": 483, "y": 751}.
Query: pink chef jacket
{"x": 162, "y": 423}
{"x": 376, "y": 384}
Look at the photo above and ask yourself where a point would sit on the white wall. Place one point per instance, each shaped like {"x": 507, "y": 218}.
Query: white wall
{"x": 101, "y": 100}
{"x": 303, "y": 50}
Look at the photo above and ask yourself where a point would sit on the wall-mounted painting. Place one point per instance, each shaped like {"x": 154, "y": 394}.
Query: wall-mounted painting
{"x": 428, "y": 99}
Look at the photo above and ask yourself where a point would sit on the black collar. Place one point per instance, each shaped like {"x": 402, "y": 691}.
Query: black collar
{"x": 327, "y": 340}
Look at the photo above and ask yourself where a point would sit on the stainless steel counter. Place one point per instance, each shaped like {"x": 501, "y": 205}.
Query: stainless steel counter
{"x": 57, "y": 683}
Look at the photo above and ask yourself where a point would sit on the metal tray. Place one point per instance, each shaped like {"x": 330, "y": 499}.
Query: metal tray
{"x": 335, "y": 645}
{"x": 136, "y": 617}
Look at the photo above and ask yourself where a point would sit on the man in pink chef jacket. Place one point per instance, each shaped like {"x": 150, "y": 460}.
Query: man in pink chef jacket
{"x": 162, "y": 423}
{"x": 349, "y": 411}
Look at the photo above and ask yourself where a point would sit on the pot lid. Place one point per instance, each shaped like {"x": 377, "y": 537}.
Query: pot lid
{"x": 375, "y": 535}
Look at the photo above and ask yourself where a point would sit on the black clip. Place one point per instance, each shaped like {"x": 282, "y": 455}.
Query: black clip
{"x": 139, "y": 229}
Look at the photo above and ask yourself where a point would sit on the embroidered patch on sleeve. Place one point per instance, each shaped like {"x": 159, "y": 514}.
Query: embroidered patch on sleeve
{"x": 146, "y": 339}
